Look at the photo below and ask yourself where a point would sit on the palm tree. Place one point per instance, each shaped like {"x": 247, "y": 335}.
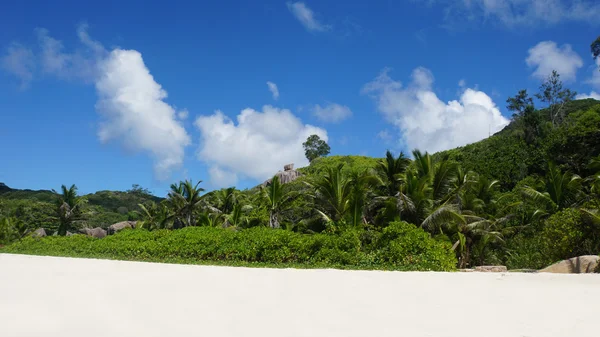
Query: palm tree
{"x": 277, "y": 199}
{"x": 559, "y": 190}
{"x": 470, "y": 231}
{"x": 333, "y": 194}
{"x": 391, "y": 168}
{"x": 185, "y": 200}
{"x": 360, "y": 181}
{"x": 226, "y": 199}
{"x": 68, "y": 206}
{"x": 155, "y": 216}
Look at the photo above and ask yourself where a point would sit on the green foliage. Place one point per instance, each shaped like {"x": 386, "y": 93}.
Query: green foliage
{"x": 351, "y": 164}
{"x": 595, "y": 47}
{"x": 519, "y": 103}
{"x": 406, "y": 244}
{"x": 403, "y": 247}
{"x": 566, "y": 234}
{"x": 315, "y": 147}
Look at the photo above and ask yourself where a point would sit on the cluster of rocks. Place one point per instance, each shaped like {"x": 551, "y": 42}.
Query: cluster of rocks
{"x": 576, "y": 265}
{"x": 94, "y": 232}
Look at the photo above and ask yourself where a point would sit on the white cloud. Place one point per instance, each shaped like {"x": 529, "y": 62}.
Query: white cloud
{"x": 258, "y": 145}
{"x": 130, "y": 102}
{"x": 547, "y": 56}
{"x": 20, "y": 62}
{"x": 332, "y": 112}
{"x": 427, "y": 123}
{"x": 592, "y": 94}
{"x": 183, "y": 114}
{"x": 520, "y": 13}
{"x": 594, "y": 81}
{"x": 81, "y": 64}
{"x": 384, "y": 135}
{"x": 135, "y": 113}
{"x": 273, "y": 89}
{"x": 220, "y": 178}
{"x": 462, "y": 83}
{"x": 306, "y": 17}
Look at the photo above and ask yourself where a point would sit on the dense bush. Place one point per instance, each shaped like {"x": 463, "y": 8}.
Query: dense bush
{"x": 401, "y": 247}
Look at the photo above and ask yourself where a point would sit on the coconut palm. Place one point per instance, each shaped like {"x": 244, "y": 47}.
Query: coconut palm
{"x": 390, "y": 169}
{"x": 68, "y": 208}
{"x": 333, "y": 194}
{"x": 557, "y": 191}
{"x": 185, "y": 199}
{"x": 155, "y": 216}
{"x": 340, "y": 196}
{"x": 276, "y": 199}
{"x": 469, "y": 231}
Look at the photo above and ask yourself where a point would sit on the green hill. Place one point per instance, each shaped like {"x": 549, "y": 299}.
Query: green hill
{"x": 510, "y": 157}
{"x": 103, "y": 208}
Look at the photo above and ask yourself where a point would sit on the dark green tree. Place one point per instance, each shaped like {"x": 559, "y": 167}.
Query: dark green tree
{"x": 68, "y": 208}
{"x": 595, "y": 47}
{"x": 185, "y": 199}
{"x": 390, "y": 169}
{"x": 519, "y": 103}
{"x": 315, "y": 147}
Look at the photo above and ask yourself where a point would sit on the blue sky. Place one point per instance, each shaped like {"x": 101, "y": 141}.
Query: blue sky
{"x": 130, "y": 92}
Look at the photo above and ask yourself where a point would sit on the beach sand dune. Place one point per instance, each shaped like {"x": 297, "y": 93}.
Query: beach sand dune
{"x": 64, "y": 297}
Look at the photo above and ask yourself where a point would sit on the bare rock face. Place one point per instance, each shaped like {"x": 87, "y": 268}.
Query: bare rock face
{"x": 94, "y": 232}
{"x": 576, "y": 265}
{"x": 112, "y": 229}
{"x": 39, "y": 233}
{"x": 491, "y": 269}
{"x": 286, "y": 176}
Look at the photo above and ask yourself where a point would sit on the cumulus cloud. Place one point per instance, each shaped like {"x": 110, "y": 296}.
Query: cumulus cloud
{"x": 183, "y": 114}
{"x": 547, "y": 56}
{"x": 273, "y": 89}
{"x": 427, "y": 123}
{"x": 307, "y": 17}
{"x": 20, "y": 62}
{"x": 220, "y": 178}
{"x": 592, "y": 94}
{"x": 332, "y": 112}
{"x": 134, "y": 111}
{"x": 257, "y": 146}
{"x": 594, "y": 81}
{"x": 80, "y": 64}
{"x": 519, "y": 13}
{"x": 130, "y": 102}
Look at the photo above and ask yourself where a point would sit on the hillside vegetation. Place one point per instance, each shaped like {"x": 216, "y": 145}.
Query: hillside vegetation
{"x": 525, "y": 197}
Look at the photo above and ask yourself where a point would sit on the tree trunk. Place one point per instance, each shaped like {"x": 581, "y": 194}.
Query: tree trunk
{"x": 273, "y": 222}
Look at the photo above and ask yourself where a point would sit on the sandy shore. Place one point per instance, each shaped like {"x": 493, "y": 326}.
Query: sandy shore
{"x": 62, "y": 297}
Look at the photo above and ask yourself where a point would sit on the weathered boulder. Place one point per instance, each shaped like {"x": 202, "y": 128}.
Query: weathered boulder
{"x": 576, "y": 265}
{"x": 94, "y": 232}
{"x": 491, "y": 269}
{"x": 286, "y": 176}
{"x": 112, "y": 229}
{"x": 69, "y": 233}
{"x": 39, "y": 233}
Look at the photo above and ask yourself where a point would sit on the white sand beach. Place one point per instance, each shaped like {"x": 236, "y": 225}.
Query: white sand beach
{"x": 64, "y": 297}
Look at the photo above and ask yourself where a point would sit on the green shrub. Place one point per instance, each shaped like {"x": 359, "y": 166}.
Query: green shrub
{"x": 404, "y": 244}
{"x": 401, "y": 247}
{"x": 562, "y": 234}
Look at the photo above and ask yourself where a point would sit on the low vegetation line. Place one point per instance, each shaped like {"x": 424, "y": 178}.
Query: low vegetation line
{"x": 401, "y": 246}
